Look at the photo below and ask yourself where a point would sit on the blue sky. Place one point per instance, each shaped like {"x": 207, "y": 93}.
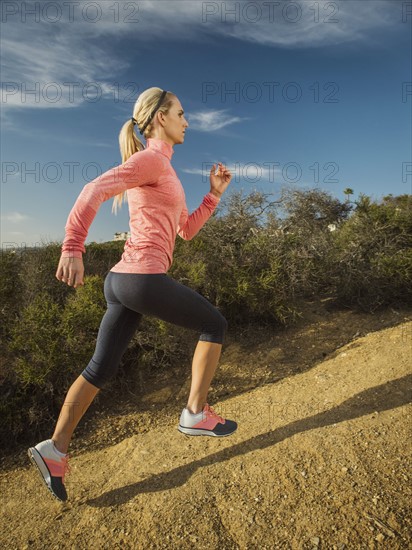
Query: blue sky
{"x": 322, "y": 99}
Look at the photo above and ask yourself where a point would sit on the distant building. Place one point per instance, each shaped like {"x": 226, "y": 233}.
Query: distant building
{"x": 124, "y": 235}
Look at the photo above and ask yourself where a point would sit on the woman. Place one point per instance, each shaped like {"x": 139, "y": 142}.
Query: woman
{"x": 138, "y": 284}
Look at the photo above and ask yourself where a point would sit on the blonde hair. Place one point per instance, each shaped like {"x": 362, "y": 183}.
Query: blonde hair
{"x": 128, "y": 141}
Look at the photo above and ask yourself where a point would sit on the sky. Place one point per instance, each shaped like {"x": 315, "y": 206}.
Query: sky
{"x": 285, "y": 94}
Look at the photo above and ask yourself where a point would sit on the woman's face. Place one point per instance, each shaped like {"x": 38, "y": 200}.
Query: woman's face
{"x": 174, "y": 124}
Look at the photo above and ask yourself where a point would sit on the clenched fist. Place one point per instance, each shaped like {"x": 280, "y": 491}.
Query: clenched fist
{"x": 70, "y": 271}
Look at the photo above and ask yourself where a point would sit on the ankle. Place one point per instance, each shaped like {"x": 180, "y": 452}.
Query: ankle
{"x": 62, "y": 447}
{"x": 195, "y": 409}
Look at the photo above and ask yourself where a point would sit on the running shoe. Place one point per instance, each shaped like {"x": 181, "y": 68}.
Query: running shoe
{"x": 51, "y": 466}
{"x": 206, "y": 422}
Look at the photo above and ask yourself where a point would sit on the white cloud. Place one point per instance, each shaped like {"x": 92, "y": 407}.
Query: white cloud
{"x": 197, "y": 171}
{"x": 80, "y": 48}
{"x": 269, "y": 23}
{"x": 14, "y": 217}
{"x": 210, "y": 121}
{"x": 251, "y": 172}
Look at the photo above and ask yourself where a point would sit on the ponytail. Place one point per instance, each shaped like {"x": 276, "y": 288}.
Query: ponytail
{"x": 129, "y": 143}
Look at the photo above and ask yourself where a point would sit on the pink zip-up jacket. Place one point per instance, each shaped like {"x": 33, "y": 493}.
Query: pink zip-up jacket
{"x": 157, "y": 207}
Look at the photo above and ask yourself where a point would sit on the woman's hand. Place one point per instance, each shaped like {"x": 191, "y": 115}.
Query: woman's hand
{"x": 219, "y": 181}
{"x": 70, "y": 271}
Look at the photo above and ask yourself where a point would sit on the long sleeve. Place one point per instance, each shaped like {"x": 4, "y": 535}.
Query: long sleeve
{"x": 189, "y": 226}
{"x": 142, "y": 168}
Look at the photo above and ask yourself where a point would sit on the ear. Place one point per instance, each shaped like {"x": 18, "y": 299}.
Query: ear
{"x": 160, "y": 117}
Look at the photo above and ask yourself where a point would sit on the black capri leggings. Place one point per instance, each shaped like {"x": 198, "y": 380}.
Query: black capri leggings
{"x": 129, "y": 296}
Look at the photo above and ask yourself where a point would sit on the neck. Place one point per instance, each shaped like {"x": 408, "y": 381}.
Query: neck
{"x": 163, "y": 138}
{"x": 160, "y": 145}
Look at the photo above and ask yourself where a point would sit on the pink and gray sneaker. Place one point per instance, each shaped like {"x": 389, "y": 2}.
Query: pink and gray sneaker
{"x": 52, "y": 467}
{"x": 206, "y": 422}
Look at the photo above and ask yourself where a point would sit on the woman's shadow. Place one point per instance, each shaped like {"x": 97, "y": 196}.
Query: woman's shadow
{"x": 379, "y": 398}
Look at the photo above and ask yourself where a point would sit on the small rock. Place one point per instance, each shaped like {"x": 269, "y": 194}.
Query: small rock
{"x": 315, "y": 541}
{"x": 344, "y": 469}
{"x": 380, "y": 537}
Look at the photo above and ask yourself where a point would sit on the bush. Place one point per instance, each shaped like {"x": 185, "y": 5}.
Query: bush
{"x": 10, "y": 290}
{"x": 36, "y": 339}
{"x": 373, "y": 254}
{"x": 254, "y": 263}
{"x": 79, "y": 323}
{"x": 261, "y": 257}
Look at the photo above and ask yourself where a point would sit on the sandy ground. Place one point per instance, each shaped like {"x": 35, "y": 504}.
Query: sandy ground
{"x": 320, "y": 460}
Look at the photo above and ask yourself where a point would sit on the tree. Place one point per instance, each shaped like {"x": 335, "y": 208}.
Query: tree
{"x": 348, "y": 191}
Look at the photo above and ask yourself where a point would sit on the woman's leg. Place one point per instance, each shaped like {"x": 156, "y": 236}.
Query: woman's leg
{"x": 78, "y": 399}
{"x": 117, "y": 328}
{"x": 163, "y": 297}
{"x": 205, "y": 360}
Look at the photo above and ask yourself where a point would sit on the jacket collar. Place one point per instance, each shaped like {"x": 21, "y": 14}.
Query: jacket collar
{"x": 160, "y": 145}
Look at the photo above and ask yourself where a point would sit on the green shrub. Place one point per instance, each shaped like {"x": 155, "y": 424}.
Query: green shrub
{"x": 254, "y": 263}
{"x": 37, "y": 341}
{"x": 373, "y": 254}
{"x": 10, "y": 290}
{"x": 80, "y": 322}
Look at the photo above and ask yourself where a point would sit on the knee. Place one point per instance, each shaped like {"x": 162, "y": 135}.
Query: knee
{"x": 99, "y": 374}
{"x": 224, "y": 324}
{"x": 214, "y": 329}
{"x": 222, "y": 328}
{"x": 93, "y": 379}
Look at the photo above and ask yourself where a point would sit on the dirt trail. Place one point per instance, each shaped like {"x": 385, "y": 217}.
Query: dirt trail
{"x": 321, "y": 458}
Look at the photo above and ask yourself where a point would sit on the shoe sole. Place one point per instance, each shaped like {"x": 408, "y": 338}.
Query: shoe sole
{"x": 199, "y": 431}
{"x": 37, "y": 460}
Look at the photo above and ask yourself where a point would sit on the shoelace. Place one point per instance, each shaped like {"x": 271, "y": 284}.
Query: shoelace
{"x": 210, "y": 412}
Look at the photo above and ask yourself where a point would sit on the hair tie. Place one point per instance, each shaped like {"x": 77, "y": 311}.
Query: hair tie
{"x": 154, "y": 110}
{"x": 134, "y": 121}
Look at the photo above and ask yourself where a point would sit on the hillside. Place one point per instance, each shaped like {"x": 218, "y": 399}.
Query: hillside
{"x": 321, "y": 457}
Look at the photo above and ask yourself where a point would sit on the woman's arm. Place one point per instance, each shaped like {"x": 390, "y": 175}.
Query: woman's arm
{"x": 140, "y": 169}
{"x": 189, "y": 226}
